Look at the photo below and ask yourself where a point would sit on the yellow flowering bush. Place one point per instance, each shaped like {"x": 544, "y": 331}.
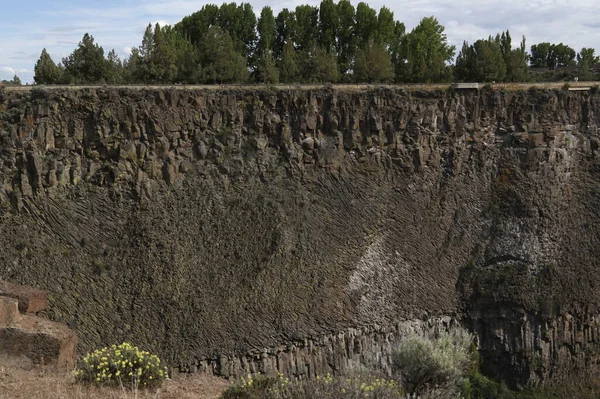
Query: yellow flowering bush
{"x": 124, "y": 365}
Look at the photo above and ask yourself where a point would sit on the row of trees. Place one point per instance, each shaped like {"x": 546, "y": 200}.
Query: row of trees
{"x": 16, "y": 81}
{"x": 335, "y": 42}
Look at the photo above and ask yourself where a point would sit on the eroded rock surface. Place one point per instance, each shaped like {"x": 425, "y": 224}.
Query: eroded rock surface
{"x": 218, "y": 227}
{"x": 23, "y": 334}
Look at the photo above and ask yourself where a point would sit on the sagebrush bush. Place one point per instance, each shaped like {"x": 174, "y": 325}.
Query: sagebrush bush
{"x": 122, "y": 365}
{"x": 327, "y": 387}
{"x": 429, "y": 365}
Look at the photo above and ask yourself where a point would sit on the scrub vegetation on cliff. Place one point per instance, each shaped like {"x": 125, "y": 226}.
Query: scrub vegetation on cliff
{"x": 333, "y": 42}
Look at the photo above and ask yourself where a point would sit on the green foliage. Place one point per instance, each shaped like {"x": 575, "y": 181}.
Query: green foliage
{"x": 319, "y": 66}
{"x": 307, "y": 27}
{"x": 45, "y": 70}
{"x": 385, "y": 30}
{"x": 266, "y": 30}
{"x": 254, "y": 387}
{"x": 122, "y": 365}
{"x": 329, "y": 22}
{"x": 517, "y": 63}
{"x": 114, "y": 68}
{"x": 289, "y": 68}
{"x": 285, "y": 31}
{"x": 328, "y": 387}
{"x": 478, "y": 386}
{"x": 267, "y": 69}
{"x": 86, "y": 64}
{"x": 221, "y": 63}
{"x": 227, "y": 44}
{"x": 587, "y": 56}
{"x": 366, "y": 24}
{"x": 15, "y": 81}
{"x": 492, "y": 60}
{"x": 425, "y": 53}
{"x": 345, "y": 47}
{"x": 427, "y": 365}
{"x": 552, "y": 55}
{"x": 489, "y": 62}
{"x": 195, "y": 26}
{"x": 373, "y": 65}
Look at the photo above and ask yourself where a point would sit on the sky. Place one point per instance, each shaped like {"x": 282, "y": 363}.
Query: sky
{"x": 29, "y": 25}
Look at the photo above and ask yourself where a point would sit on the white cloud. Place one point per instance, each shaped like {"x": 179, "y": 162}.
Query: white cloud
{"x": 6, "y": 73}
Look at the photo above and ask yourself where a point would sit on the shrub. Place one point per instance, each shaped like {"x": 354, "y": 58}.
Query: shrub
{"x": 253, "y": 387}
{"x": 432, "y": 365}
{"x": 122, "y": 365}
{"x": 478, "y": 386}
{"x": 328, "y": 387}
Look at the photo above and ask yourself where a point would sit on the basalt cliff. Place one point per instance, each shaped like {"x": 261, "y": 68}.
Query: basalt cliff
{"x": 308, "y": 229}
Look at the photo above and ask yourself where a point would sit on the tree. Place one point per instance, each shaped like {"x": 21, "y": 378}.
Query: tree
{"x": 481, "y": 62}
{"x": 563, "y": 55}
{"x": 162, "y": 67}
{"x": 319, "y": 66}
{"x": 366, "y": 24}
{"x": 114, "y": 68}
{"x": 285, "y": 31}
{"x": 426, "y": 364}
{"x": 185, "y": 57}
{"x": 489, "y": 63}
{"x": 552, "y": 55}
{"x": 464, "y": 70}
{"x": 289, "y": 70}
{"x": 240, "y": 23}
{"x": 266, "y": 30}
{"x": 373, "y": 64}
{"x": 385, "y": 29}
{"x": 87, "y": 63}
{"x": 587, "y": 56}
{"x": 505, "y": 43}
{"x": 16, "y": 81}
{"x": 45, "y": 71}
{"x": 132, "y": 66}
{"x": 517, "y": 62}
{"x": 425, "y": 54}
{"x": 307, "y": 27}
{"x": 267, "y": 69}
{"x": 221, "y": 62}
{"x": 540, "y": 54}
{"x": 195, "y": 26}
{"x": 345, "y": 47}
{"x": 585, "y": 59}
{"x": 328, "y": 25}
{"x": 397, "y": 50}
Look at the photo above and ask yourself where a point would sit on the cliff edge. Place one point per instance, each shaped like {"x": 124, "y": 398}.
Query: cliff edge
{"x": 307, "y": 230}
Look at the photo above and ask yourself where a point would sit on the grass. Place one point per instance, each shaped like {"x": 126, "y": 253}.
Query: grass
{"x": 328, "y": 387}
{"x": 19, "y": 379}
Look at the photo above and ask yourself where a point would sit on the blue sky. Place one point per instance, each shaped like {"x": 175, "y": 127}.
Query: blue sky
{"x": 29, "y": 25}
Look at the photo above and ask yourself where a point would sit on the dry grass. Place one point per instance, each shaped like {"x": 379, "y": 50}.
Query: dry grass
{"x": 19, "y": 379}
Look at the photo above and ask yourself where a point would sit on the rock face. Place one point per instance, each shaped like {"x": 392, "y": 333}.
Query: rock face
{"x": 237, "y": 229}
{"x": 38, "y": 339}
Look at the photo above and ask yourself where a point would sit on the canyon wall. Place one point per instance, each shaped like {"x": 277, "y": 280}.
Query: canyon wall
{"x": 308, "y": 229}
